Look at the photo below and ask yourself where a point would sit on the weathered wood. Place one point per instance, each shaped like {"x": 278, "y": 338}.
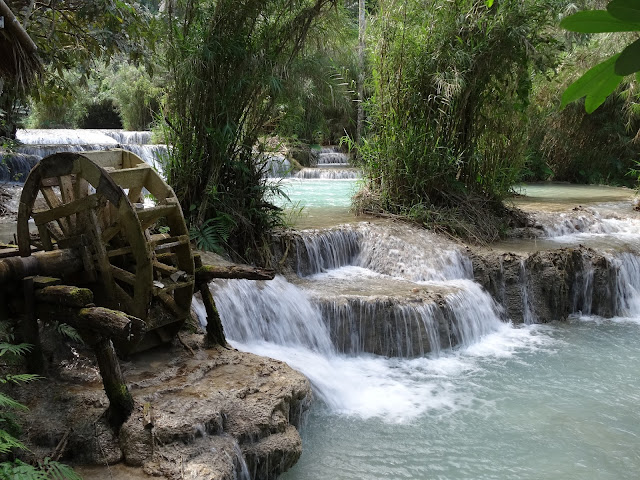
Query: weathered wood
{"x": 215, "y": 330}
{"x": 95, "y": 322}
{"x": 58, "y": 263}
{"x": 120, "y": 400}
{"x": 30, "y": 329}
{"x": 149, "y": 216}
{"x": 65, "y": 295}
{"x": 206, "y": 273}
{"x": 66, "y": 210}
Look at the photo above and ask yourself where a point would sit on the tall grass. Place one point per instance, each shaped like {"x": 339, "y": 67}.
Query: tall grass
{"x": 451, "y": 84}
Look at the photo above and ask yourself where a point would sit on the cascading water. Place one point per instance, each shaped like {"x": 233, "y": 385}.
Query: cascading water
{"x": 332, "y": 157}
{"x": 37, "y": 144}
{"x": 559, "y": 398}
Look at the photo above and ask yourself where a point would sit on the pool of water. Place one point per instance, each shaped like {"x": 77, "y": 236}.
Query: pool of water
{"x": 559, "y": 401}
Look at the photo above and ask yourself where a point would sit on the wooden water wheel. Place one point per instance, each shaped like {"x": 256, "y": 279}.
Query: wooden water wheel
{"x": 136, "y": 254}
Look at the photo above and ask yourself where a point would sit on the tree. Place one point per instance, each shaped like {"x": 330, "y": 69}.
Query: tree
{"x": 73, "y": 34}
{"x": 227, "y": 61}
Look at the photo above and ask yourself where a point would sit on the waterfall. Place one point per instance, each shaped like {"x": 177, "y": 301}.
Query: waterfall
{"x": 40, "y": 143}
{"x": 332, "y": 157}
{"x": 274, "y": 311}
{"x": 528, "y": 314}
{"x": 628, "y": 284}
{"x": 319, "y": 251}
{"x": 328, "y": 173}
{"x": 276, "y": 165}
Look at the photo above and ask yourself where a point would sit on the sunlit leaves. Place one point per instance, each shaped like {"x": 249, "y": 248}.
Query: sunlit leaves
{"x": 601, "y": 80}
{"x": 596, "y": 84}
{"x": 597, "y": 21}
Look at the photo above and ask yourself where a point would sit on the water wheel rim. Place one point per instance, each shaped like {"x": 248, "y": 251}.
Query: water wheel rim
{"x": 65, "y": 165}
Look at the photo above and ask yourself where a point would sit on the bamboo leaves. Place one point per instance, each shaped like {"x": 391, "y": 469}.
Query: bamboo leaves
{"x": 600, "y": 81}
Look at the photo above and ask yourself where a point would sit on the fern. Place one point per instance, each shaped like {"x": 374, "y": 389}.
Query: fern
{"x": 19, "y": 349}
{"x": 45, "y": 470}
{"x": 69, "y": 332}
{"x": 213, "y": 233}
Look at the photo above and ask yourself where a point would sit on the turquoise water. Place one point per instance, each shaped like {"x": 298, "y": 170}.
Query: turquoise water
{"x": 546, "y": 402}
{"x": 316, "y": 193}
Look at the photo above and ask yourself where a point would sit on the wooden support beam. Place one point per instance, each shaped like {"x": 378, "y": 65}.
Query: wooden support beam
{"x": 206, "y": 273}
{"x": 215, "y": 330}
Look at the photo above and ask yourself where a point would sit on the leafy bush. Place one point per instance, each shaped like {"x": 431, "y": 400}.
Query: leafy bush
{"x": 451, "y": 86}
{"x": 46, "y": 469}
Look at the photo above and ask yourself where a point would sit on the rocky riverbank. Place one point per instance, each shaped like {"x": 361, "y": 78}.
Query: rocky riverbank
{"x": 200, "y": 414}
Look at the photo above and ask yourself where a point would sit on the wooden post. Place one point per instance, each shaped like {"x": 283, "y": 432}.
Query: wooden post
{"x": 120, "y": 399}
{"x": 30, "y": 329}
{"x": 215, "y": 330}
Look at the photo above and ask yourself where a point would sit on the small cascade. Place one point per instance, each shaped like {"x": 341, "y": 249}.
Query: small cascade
{"x": 628, "y": 284}
{"x": 124, "y": 137}
{"x": 332, "y": 157}
{"x": 275, "y": 311}
{"x": 40, "y": 143}
{"x": 16, "y": 166}
{"x": 329, "y": 173}
{"x": 241, "y": 471}
{"x": 319, "y": 251}
{"x": 583, "y": 289}
{"x": 276, "y": 166}
{"x": 412, "y": 253}
{"x": 528, "y": 312}
{"x": 63, "y": 136}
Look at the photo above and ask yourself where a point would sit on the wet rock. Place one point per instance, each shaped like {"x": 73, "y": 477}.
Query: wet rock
{"x": 195, "y": 417}
{"x": 550, "y": 285}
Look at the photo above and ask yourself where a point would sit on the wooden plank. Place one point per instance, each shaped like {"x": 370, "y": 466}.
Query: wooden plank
{"x": 24, "y": 211}
{"x": 45, "y": 238}
{"x": 66, "y": 210}
{"x": 53, "y": 201}
{"x": 123, "y": 275}
{"x": 169, "y": 242}
{"x": 119, "y": 251}
{"x": 149, "y": 216}
{"x": 161, "y": 268}
{"x": 66, "y": 191}
{"x": 95, "y": 234}
{"x": 106, "y": 158}
{"x": 170, "y": 287}
{"x": 131, "y": 177}
{"x": 110, "y": 232}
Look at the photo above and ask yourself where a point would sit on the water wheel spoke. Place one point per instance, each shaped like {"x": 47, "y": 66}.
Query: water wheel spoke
{"x": 123, "y": 275}
{"x": 118, "y": 252}
{"x": 170, "y": 242}
{"x": 109, "y": 232}
{"x": 68, "y": 196}
{"x": 53, "y": 201}
{"x": 150, "y": 216}
{"x": 66, "y": 210}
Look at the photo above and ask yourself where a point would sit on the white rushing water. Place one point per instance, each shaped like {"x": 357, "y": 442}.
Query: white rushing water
{"x": 40, "y": 143}
{"x": 554, "y": 401}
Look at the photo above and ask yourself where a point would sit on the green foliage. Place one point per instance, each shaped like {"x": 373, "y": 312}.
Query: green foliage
{"x": 602, "y": 80}
{"x": 451, "y": 87}
{"x": 227, "y": 62}
{"x": 570, "y": 145}
{"x": 46, "y": 469}
{"x": 213, "y": 234}
{"x": 137, "y": 98}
